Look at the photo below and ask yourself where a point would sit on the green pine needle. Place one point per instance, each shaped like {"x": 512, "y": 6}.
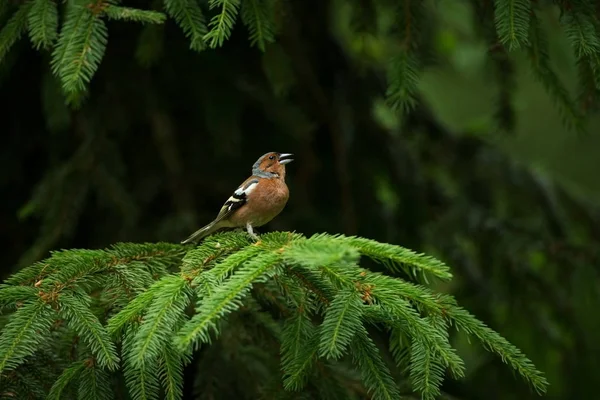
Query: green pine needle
{"x": 14, "y": 28}
{"x": 189, "y": 17}
{"x": 512, "y": 22}
{"x": 43, "y": 23}
{"x": 134, "y": 14}
{"x": 221, "y": 24}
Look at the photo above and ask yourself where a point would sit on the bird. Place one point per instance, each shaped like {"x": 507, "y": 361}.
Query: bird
{"x": 258, "y": 200}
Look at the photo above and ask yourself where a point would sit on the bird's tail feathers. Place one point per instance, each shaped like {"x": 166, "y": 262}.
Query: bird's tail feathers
{"x": 202, "y": 232}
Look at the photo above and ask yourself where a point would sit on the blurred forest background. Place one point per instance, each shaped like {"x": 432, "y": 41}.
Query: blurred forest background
{"x": 483, "y": 173}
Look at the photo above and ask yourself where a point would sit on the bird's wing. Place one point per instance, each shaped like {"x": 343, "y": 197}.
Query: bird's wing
{"x": 237, "y": 199}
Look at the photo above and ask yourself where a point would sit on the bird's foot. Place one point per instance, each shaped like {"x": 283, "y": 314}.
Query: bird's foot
{"x": 253, "y": 235}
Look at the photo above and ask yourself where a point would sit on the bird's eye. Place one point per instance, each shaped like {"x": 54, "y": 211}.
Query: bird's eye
{"x": 271, "y": 157}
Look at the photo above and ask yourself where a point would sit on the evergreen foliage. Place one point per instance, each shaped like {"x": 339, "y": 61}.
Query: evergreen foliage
{"x": 78, "y": 50}
{"x": 124, "y": 315}
{"x": 439, "y": 188}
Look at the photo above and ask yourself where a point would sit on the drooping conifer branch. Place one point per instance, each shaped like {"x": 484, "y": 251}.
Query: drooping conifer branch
{"x": 78, "y": 50}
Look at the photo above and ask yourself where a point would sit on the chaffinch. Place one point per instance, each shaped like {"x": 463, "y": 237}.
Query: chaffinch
{"x": 256, "y": 201}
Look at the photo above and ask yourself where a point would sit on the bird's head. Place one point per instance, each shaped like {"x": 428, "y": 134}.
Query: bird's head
{"x": 272, "y": 164}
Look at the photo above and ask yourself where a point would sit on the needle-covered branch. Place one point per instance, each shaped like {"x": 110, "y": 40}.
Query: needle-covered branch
{"x": 400, "y": 33}
{"x": 308, "y": 302}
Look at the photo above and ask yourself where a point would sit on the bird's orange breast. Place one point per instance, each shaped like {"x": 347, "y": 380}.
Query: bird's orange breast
{"x": 264, "y": 203}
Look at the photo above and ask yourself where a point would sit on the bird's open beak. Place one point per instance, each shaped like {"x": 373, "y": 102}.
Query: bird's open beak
{"x": 285, "y": 158}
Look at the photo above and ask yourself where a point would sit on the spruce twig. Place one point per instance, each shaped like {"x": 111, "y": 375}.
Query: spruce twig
{"x": 329, "y": 303}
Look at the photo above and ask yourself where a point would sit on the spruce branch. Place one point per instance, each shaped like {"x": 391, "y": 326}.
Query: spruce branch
{"x": 509, "y": 353}
{"x": 583, "y": 30}
{"x": 512, "y": 22}
{"x": 64, "y": 268}
{"x": 400, "y": 315}
{"x": 540, "y": 63}
{"x": 224, "y": 301}
{"x": 500, "y": 63}
{"x": 65, "y": 379}
{"x": 403, "y": 71}
{"x": 14, "y": 28}
{"x": 171, "y": 371}
{"x": 80, "y": 48}
{"x": 43, "y": 23}
{"x": 335, "y": 260}
{"x": 29, "y": 274}
{"x": 227, "y": 265}
{"x": 325, "y": 302}
{"x": 299, "y": 347}
{"x": 142, "y": 381}
{"x": 134, "y": 309}
{"x": 400, "y": 346}
{"x": 134, "y": 14}
{"x": 342, "y": 319}
{"x": 393, "y": 256}
{"x": 94, "y": 383}
{"x": 423, "y": 299}
{"x": 172, "y": 295}
{"x": 75, "y": 310}
{"x": 25, "y": 333}
{"x": 221, "y": 24}
{"x": 257, "y": 16}
{"x": 374, "y": 372}
{"x": 10, "y": 295}
{"x": 403, "y": 78}
{"x": 127, "y": 282}
{"x": 580, "y": 28}
{"x": 189, "y": 17}
{"x": 426, "y": 370}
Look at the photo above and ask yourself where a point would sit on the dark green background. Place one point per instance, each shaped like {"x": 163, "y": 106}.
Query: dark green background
{"x": 166, "y": 134}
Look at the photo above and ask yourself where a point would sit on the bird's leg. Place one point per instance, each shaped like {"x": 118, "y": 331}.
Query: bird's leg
{"x": 251, "y": 231}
